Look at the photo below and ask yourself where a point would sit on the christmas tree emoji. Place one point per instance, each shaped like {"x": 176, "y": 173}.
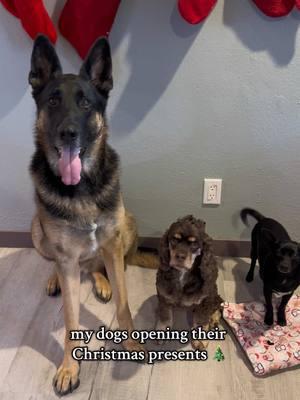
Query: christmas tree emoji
{"x": 219, "y": 356}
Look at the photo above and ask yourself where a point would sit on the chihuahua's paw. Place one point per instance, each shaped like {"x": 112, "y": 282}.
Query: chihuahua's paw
{"x": 249, "y": 277}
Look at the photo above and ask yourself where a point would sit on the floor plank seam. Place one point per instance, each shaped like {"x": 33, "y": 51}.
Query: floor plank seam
{"x": 10, "y": 272}
{"x": 93, "y": 382}
{"x": 149, "y": 384}
{"x": 24, "y": 335}
{"x": 28, "y": 364}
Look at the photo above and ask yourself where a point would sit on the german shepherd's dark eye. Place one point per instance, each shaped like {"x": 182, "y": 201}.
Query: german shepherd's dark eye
{"x": 53, "y": 101}
{"x": 84, "y": 103}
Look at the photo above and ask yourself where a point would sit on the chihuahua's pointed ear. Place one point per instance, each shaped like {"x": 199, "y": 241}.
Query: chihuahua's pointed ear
{"x": 45, "y": 64}
{"x": 201, "y": 225}
{"x": 97, "y": 67}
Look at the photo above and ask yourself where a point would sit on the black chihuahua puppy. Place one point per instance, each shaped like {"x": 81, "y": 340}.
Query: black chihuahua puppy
{"x": 279, "y": 261}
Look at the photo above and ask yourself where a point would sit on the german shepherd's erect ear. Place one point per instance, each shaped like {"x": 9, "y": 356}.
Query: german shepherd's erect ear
{"x": 45, "y": 64}
{"x": 97, "y": 67}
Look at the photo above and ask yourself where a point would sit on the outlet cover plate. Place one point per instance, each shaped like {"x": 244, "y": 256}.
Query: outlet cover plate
{"x": 212, "y": 191}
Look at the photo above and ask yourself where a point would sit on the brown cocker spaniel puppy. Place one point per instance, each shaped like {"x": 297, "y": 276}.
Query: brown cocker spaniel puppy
{"x": 187, "y": 276}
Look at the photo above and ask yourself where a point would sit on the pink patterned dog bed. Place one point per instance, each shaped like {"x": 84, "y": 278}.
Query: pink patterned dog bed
{"x": 268, "y": 348}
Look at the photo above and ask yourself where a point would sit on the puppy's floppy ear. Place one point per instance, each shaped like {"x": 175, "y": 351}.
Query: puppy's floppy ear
{"x": 298, "y": 247}
{"x": 207, "y": 244}
{"x": 97, "y": 67}
{"x": 164, "y": 252}
{"x": 201, "y": 225}
{"x": 209, "y": 265}
{"x": 45, "y": 64}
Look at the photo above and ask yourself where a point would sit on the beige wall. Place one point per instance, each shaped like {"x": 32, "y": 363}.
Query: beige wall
{"x": 217, "y": 100}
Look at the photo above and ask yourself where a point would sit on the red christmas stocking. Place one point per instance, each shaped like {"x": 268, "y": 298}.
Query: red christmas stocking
{"x": 82, "y": 22}
{"x": 275, "y": 8}
{"x": 33, "y": 16}
{"x": 195, "y": 11}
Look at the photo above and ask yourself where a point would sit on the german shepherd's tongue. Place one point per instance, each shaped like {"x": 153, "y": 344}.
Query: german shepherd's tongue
{"x": 69, "y": 166}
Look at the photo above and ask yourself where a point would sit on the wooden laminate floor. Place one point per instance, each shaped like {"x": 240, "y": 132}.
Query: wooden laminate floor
{"x": 32, "y": 332}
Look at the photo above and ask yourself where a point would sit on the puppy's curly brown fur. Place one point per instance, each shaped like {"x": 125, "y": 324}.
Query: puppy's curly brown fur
{"x": 187, "y": 274}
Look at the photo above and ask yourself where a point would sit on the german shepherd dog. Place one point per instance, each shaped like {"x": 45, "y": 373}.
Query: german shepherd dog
{"x": 279, "y": 261}
{"x": 80, "y": 218}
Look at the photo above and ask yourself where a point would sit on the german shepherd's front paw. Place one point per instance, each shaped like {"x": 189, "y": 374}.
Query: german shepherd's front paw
{"x": 66, "y": 378}
{"x": 103, "y": 293}
{"x": 269, "y": 320}
{"x": 102, "y": 288}
{"x": 53, "y": 288}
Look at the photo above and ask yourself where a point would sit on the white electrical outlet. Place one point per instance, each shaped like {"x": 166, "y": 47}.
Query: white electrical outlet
{"x": 212, "y": 191}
